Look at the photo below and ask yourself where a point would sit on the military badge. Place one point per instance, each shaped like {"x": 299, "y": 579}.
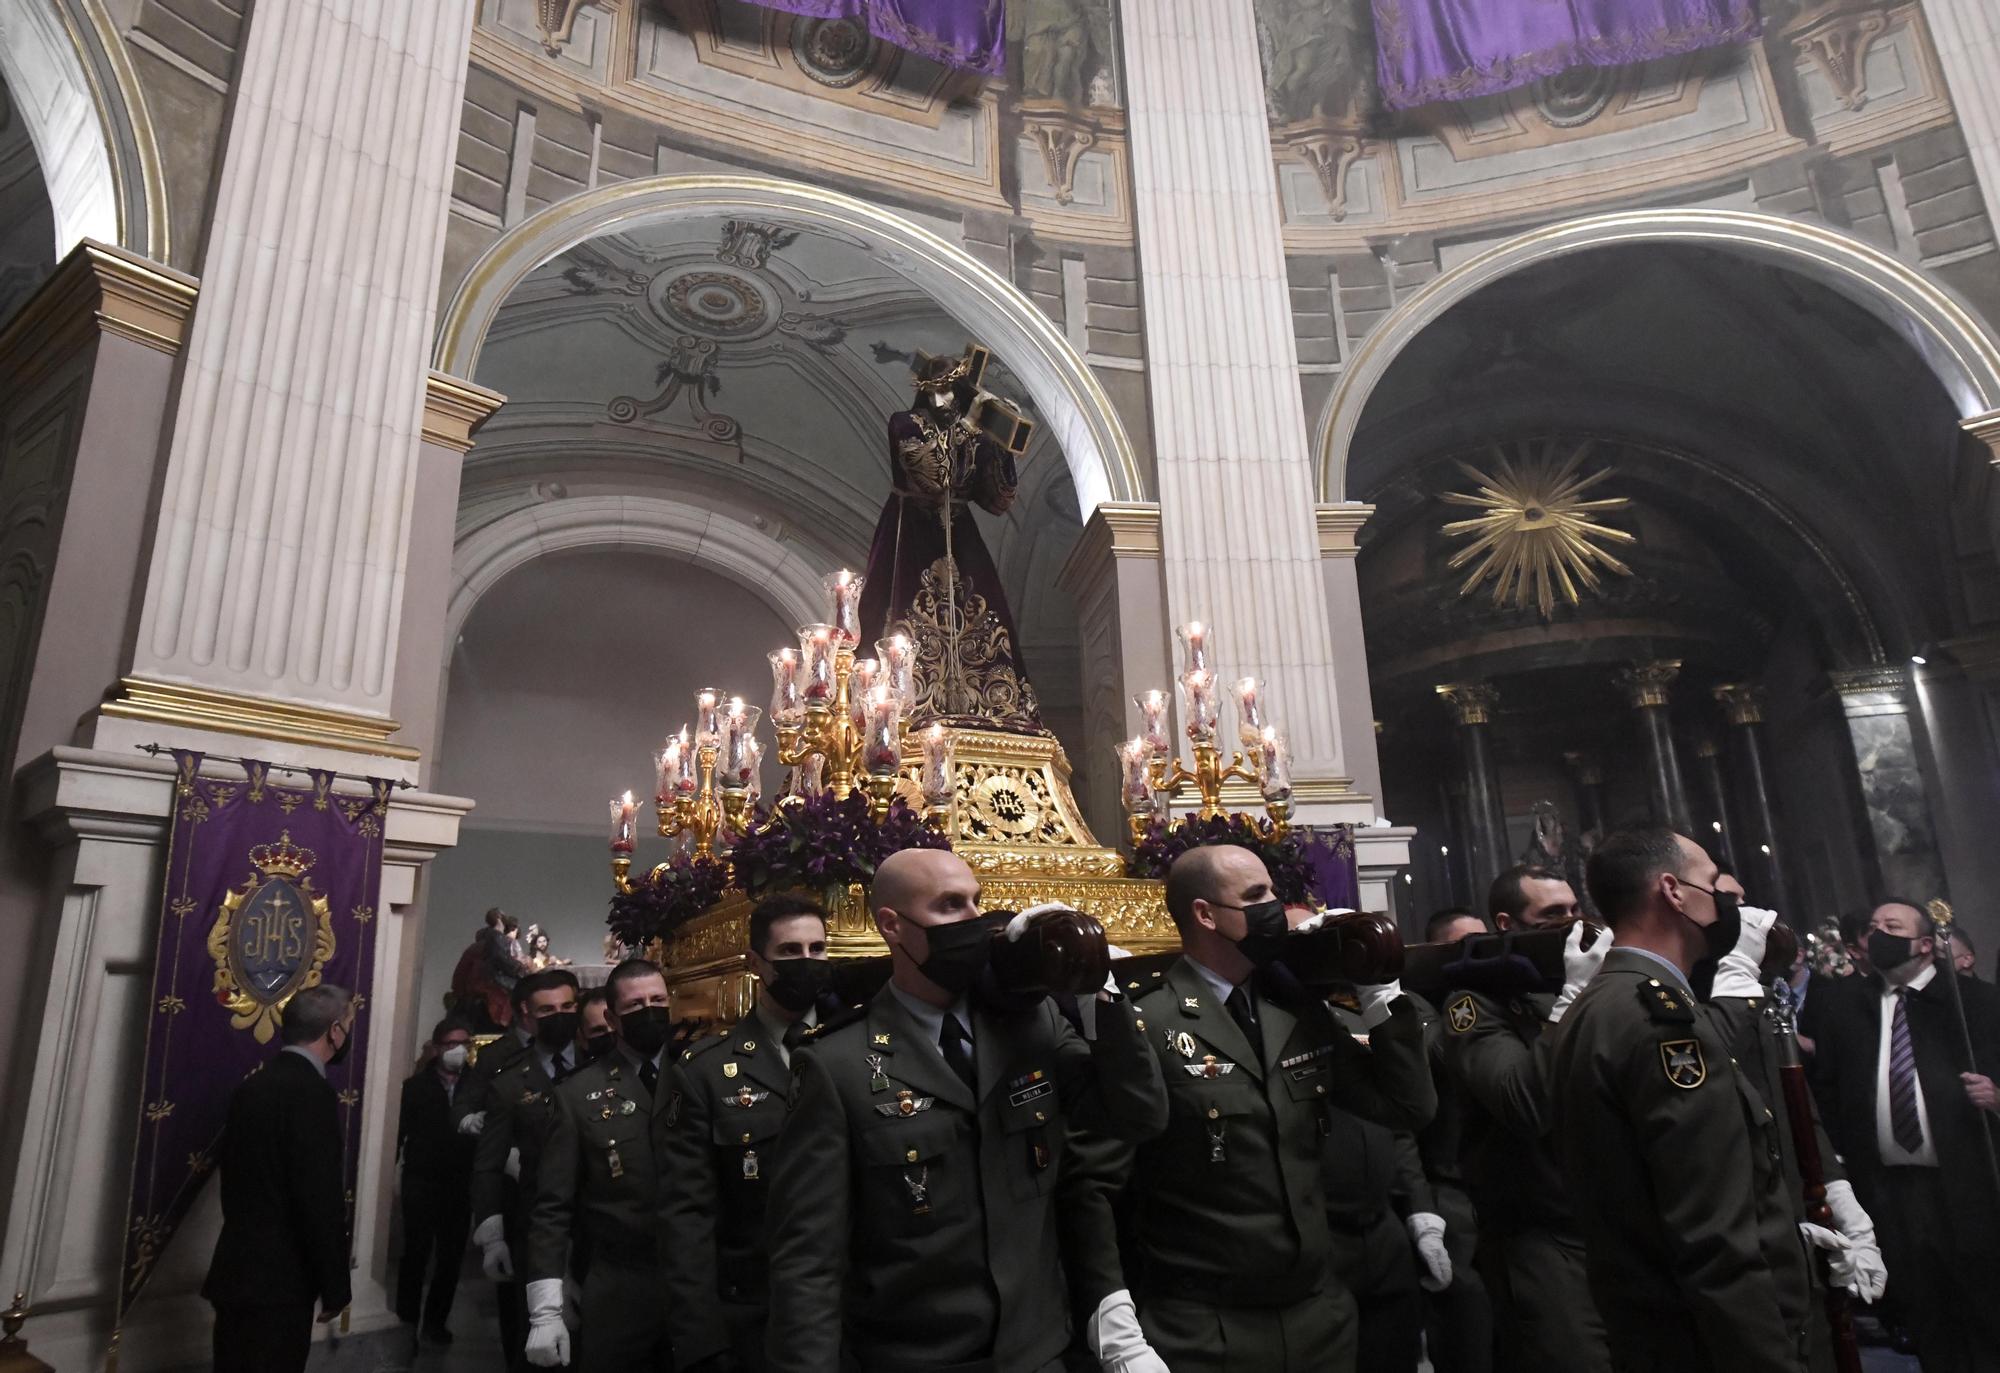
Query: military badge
{"x": 745, "y": 1097}
{"x": 878, "y": 1081}
{"x": 1462, "y": 1015}
{"x": 905, "y": 1104}
{"x": 729, "y": 1068}
{"x": 272, "y": 937}
{"x": 1209, "y": 1067}
{"x": 674, "y": 1110}
{"x": 1682, "y": 1059}
{"x": 1182, "y": 1043}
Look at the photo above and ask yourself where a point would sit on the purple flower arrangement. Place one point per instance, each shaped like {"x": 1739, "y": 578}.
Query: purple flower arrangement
{"x": 667, "y": 898}
{"x": 1304, "y": 864}
{"x": 822, "y": 844}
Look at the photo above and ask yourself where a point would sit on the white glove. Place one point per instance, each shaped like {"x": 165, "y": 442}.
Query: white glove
{"x": 1427, "y": 1233}
{"x": 1375, "y": 999}
{"x": 513, "y": 1168}
{"x": 1579, "y": 966}
{"x": 494, "y": 1259}
{"x": 473, "y": 1123}
{"x": 548, "y": 1337}
{"x": 1318, "y": 918}
{"x": 1737, "y": 974}
{"x": 1819, "y": 1237}
{"x": 1115, "y": 1338}
{"x": 1859, "y": 1268}
{"x": 1018, "y": 926}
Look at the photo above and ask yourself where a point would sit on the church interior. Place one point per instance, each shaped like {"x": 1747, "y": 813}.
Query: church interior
{"x": 446, "y": 394}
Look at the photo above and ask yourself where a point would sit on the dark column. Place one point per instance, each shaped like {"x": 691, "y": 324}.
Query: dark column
{"x": 1763, "y": 869}
{"x": 1647, "y": 685}
{"x": 1718, "y": 829}
{"x": 1589, "y": 780}
{"x": 1876, "y": 702}
{"x": 1472, "y": 705}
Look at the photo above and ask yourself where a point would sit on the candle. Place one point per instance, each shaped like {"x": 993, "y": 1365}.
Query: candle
{"x": 898, "y": 656}
{"x": 1198, "y": 704}
{"x": 816, "y": 651}
{"x": 738, "y": 734}
{"x": 1153, "y": 715}
{"x": 685, "y": 763}
{"x": 861, "y": 680}
{"x": 755, "y": 786}
{"x": 665, "y": 763}
{"x": 1274, "y": 765}
{"x": 621, "y": 823}
{"x": 1194, "y": 643}
{"x": 882, "y": 744}
{"x": 1249, "y": 709}
{"x": 706, "y": 702}
{"x": 937, "y": 767}
{"x": 1135, "y": 759}
{"x": 788, "y": 707}
{"x": 843, "y": 594}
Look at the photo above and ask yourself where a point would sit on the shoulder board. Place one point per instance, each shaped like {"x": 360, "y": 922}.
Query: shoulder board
{"x": 703, "y": 1046}
{"x": 1666, "y": 1003}
{"x": 853, "y": 1015}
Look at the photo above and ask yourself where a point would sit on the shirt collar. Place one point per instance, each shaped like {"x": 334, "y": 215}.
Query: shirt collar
{"x": 1679, "y": 977}
{"x": 931, "y": 1018}
{"x": 1915, "y": 984}
{"x": 308, "y": 1055}
{"x": 634, "y": 1059}
{"x": 1217, "y": 983}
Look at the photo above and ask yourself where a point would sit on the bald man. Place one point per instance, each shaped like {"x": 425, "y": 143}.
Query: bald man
{"x": 912, "y": 1216}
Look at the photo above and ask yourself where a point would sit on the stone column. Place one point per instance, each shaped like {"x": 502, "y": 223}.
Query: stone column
{"x": 1235, "y": 473}
{"x": 1473, "y": 705}
{"x": 1647, "y": 686}
{"x": 1588, "y": 777}
{"x": 1895, "y": 794}
{"x": 1967, "y": 40}
{"x": 279, "y": 561}
{"x": 1749, "y": 763}
{"x": 1716, "y": 826}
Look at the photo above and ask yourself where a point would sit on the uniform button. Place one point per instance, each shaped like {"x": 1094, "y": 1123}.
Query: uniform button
{"x": 1140, "y": 1023}
{"x": 746, "y": 1137}
{"x": 1213, "y": 1113}
{"x": 1321, "y": 1089}
{"x": 910, "y": 1157}
{"x": 1040, "y": 1116}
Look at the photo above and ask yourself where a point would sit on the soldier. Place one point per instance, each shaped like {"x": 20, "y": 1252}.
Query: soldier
{"x": 1531, "y": 1253}
{"x": 1379, "y": 1211}
{"x": 913, "y": 1215}
{"x": 1228, "y": 1266}
{"x": 468, "y": 1107}
{"x": 728, "y": 1099}
{"x": 596, "y": 1200}
{"x": 594, "y": 1036}
{"x": 1695, "y": 1259}
{"x": 516, "y": 1124}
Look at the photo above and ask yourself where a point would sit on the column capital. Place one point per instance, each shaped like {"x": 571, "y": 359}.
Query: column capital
{"x": 1871, "y": 690}
{"x": 1338, "y": 527}
{"x": 1115, "y": 530}
{"x": 454, "y": 409}
{"x": 97, "y": 289}
{"x": 1647, "y": 685}
{"x": 1742, "y": 702}
{"x": 1471, "y": 703}
{"x": 1986, "y": 429}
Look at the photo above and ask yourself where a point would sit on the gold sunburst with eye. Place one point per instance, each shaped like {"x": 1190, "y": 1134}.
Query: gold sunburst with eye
{"x": 1536, "y": 535}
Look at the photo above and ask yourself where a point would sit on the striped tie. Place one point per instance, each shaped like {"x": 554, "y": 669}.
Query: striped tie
{"x": 1903, "y": 1122}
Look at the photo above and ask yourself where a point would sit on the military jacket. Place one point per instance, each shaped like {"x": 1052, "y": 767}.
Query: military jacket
{"x": 1750, "y": 1026}
{"x": 1226, "y": 1204}
{"x": 1498, "y": 1053}
{"x": 476, "y": 1092}
{"x": 597, "y": 1184}
{"x": 728, "y": 1099}
{"x": 1695, "y": 1259}
{"x": 913, "y": 1223}
{"x": 520, "y": 1104}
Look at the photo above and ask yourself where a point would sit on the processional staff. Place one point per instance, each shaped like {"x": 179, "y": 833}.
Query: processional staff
{"x": 1943, "y": 920}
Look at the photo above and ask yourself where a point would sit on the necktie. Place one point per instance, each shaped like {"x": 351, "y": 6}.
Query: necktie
{"x": 795, "y": 1034}
{"x": 956, "y": 1046}
{"x": 649, "y": 1073}
{"x": 1238, "y": 1006}
{"x": 1903, "y": 1122}
{"x": 559, "y": 1066}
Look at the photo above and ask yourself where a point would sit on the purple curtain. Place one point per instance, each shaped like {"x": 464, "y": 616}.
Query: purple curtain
{"x": 969, "y": 34}
{"x": 1457, "y": 49}
{"x": 270, "y": 889}
{"x": 1336, "y": 880}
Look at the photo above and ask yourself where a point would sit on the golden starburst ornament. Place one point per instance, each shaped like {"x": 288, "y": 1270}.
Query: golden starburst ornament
{"x": 1536, "y": 535}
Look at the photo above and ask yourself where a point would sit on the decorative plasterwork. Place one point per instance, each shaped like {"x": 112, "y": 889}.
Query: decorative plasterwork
{"x": 256, "y": 717}
{"x": 454, "y": 410}
{"x": 96, "y": 289}
{"x": 1340, "y": 527}
{"x": 1837, "y": 37}
{"x": 556, "y": 19}
{"x": 1535, "y": 535}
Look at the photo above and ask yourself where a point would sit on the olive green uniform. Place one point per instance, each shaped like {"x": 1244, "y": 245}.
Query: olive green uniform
{"x": 1531, "y": 1253}
{"x": 518, "y": 1104}
{"x": 1695, "y": 1258}
{"x": 1226, "y": 1253}
{"x": 729, "y": 1097}
{"x": 913, "y": 1222}
{"x": 597, "y": 1192}
{"x": 475, "y": 1094}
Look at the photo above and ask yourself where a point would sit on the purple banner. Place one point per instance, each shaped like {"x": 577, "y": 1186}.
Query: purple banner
{"x": 270, "y": 889}
{"x": 967, "y": 34}
{"x": 1431, "y": 50}
{"x": 1336, "y": 879}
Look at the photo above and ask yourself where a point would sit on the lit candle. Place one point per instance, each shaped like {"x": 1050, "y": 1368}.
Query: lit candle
{"x": 816, "y": 649}
{"x": 665, "y": 763}
{"x": 1249, "y": 710}
{"x": 860, "y": 681}
{"x": 882, "y": 746}
{"x": 621, "y": 823}
{"x": 1198, "y": 704}
{"x": 843, "y": 594}
{"x": 787, "y": 706}
{"x": 937, "y": 770}
{"x": 1194, "y": 643}
{"x": 1135, "y": 758}
{"x": 685, "y": 764}
{"x": 898, "y": 656}
{"x": 1153, "y": 715}
{"x": 1274, "y": 765}
{"x": 738, "y": 734}
{"x": 706, "y": 703}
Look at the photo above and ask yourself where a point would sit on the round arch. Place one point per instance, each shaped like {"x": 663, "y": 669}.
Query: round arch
{"x": 1085, "y": 427}
{"x": 1953, "y": 341}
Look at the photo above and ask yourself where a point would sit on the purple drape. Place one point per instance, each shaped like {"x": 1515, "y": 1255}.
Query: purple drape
{"x": 968, "y": 34}
{"x": 269, "y": 889}
{"x": 1336, "y": 879}
{"x": 1456, "y": 49}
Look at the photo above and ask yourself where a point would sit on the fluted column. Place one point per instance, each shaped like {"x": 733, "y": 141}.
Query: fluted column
{"x": 1229, "y": 435}
{"x": 1749, "y": 762}
{"x": 1647, "y": 686}
{"x": 278, "y": 565}
{"x": 1473, "y": 705}
{"x": 1966, "y": 35}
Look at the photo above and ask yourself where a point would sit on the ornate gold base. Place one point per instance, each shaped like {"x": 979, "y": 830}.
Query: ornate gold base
{"x": 1012, "y": 812}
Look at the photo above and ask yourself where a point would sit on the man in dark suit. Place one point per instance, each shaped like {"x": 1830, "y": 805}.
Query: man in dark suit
{"x": 1903, "y": 1107}
{"x": 436, "y": 1181}
{"x": 913, "y": 1211}
{"x": 284, "y": 1218}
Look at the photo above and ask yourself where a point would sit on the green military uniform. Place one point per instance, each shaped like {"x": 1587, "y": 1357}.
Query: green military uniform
{"x": 914, "y": 1221}
{"x": 519, "y": 1102}
{"x": 475, "y": 1094}
{"x": 1695, "y": 1259}
{"x": 1531, "y": 1253}
{"x": 598, "y": 1192}
{"x": 1458, "y": 1322}
{"x": 1373, "y": 1179}
{"x": 1227, "y": 1257}
{"x": 729, "y": 1098}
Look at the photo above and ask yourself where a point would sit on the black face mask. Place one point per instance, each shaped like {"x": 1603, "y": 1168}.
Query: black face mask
{"x": 346, "y": 1043}
{"x": 1717, "y": 940}
{"x": 1264, "y": 930}
{"x": 558, "y": 1030}
{"x": 795, "y": 983}
{"x": 598, "y": 1045}
{"x": 959, "y": 952}
{"x": 1889, "y": 951}
{"x": 646, "y": 1029}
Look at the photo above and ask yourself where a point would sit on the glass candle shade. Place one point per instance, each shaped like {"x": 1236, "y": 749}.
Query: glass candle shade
{"x": 622, "y": 809}
{"x": 816, "y": 644}
{"x": 1153, "y": 722}
{"x": 788, "y": 706}
{"x": 1248, "y": 692}
{"x": 937, "y": 766}
{"x": 1198, "y": 704}
{"x": 898, "y": 656}
{"x": 1274, "y": 765}
{"x": 843, "y": 603}
{"x": 686, "y": 764}
{"x": 738, "y": 735}
{"x": 1135, "y": 761}
{"x": 861, "y": 679}
{"x": 882, "y": 743}
{"x": 754, "y": 786}
{"x": 806, "y": 779}
{"x": 665, "y": 763}
{"x": 707, "y": 708}
{"x": 1194, "y": 645}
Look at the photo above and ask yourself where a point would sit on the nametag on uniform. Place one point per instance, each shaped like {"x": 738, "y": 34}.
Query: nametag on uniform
{"x": 1028, "y": 1094}
{"x": 616, "y": 1164}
